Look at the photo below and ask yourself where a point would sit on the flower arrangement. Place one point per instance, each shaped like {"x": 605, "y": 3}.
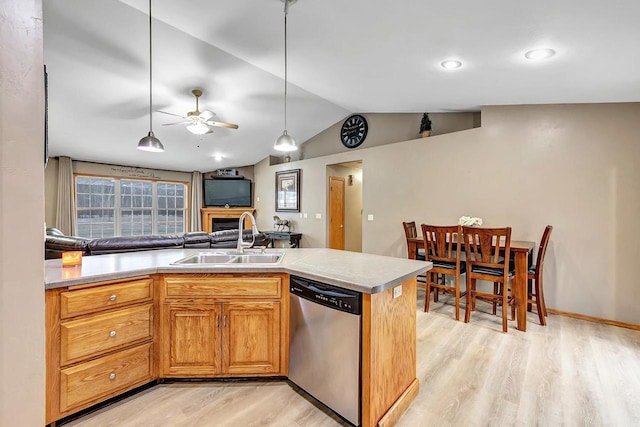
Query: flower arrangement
{"x": 470, "y": 221}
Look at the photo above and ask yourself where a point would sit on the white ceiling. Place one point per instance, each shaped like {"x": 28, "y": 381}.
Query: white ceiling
{"x": 360, "y": 56}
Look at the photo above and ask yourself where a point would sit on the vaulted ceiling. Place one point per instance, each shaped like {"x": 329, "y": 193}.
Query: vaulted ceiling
{"x": 344, "y": 57}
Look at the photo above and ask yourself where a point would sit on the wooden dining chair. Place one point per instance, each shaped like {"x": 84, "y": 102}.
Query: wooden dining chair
{"x": 487, "y": 256}
{"x": 535, "y": 290}
{"x": 442, "y": 245}
{"x": 411, "y": 232}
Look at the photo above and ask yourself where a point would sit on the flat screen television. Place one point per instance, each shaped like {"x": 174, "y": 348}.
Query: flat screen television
{"x": 232, "y": 192}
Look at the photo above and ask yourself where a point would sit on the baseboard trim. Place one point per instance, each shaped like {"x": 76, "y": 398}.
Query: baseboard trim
{"x": 594, "y": 319}
{"x": 391, "y": 417}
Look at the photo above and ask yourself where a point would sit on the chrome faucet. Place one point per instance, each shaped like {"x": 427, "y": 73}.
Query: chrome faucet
{"x": 254, "y": 232}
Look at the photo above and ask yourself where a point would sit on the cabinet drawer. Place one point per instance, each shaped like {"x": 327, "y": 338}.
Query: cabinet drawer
{"x": 223, "y": 287}
{"x": 92, "y": 335}
{"x": 97, "y": 379}
{"x": 89, "y": 300}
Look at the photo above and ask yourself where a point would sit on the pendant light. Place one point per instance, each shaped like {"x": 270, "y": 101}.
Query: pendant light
{"x": 150, "y": 142}
{"x": 285, "y": 142}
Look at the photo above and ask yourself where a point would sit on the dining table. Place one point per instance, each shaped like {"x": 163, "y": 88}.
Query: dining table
{"x": 522, "y": 251}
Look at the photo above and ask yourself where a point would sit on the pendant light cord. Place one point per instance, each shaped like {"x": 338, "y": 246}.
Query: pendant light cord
{"x": 150, "y": 73}
{"x": 286, "y": 10}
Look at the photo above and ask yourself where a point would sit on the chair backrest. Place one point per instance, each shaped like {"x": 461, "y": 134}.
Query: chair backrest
{"x": 487, "y": 247}
{"x": 542, "y": 249}
{"x": 442, "y": 243}
{"x": 410, "y": 230}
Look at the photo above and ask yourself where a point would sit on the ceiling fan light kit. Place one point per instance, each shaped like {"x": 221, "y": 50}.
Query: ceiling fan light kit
{"x": 199, "y": 128}
{"x": 150, "y": 142}
{"x": 285, "y": 142}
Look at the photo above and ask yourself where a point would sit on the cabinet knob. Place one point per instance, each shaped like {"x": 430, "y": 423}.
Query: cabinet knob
{"x": 112, "y": 333}
{"x": 113, "y": 297}
{"x": 112, "y": 376}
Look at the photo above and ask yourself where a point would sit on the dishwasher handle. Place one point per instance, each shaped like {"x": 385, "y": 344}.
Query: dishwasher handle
{"x": 327, "y": 295}
{"x": 327, "y": 292}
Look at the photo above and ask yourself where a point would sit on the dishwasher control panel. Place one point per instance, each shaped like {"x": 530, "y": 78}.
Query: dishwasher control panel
{"x": 328, "y": 295}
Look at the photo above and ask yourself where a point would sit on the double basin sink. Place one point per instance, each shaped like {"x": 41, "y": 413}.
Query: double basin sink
{"x": 232, "y": 257}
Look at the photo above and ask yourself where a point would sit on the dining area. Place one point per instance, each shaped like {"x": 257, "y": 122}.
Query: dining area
{"x": 472, "y": 263}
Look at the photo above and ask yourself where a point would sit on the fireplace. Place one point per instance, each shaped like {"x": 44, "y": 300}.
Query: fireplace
{"x": 220, "y": 224}
{"x": 213, "y": 217}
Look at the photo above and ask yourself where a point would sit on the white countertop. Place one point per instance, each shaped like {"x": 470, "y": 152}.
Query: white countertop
{"x": 350, "y": 270}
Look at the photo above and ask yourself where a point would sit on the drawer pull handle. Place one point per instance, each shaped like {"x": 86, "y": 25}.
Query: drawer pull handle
{"x": 112, "y": 333}
{"x": 112, "y": 376}
{"x": 113, "y": 297}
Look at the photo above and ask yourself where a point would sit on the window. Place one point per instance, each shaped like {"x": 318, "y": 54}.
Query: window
{"x": 107, "y": 207}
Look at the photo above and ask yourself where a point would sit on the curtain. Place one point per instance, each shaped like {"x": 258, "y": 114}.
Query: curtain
{"x": 196, "y": 201}
{"x": 65, "y": 209}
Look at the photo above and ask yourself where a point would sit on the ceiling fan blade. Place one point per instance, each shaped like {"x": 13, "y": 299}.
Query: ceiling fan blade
{"x": 207, "y": 114}
{"x": 221, "y": 124}
{"x": 171, "y": 114}
{"x": 176, "y": 123}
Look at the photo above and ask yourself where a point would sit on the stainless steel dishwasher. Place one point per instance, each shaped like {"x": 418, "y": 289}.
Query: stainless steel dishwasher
{"x": 324, "y": 349}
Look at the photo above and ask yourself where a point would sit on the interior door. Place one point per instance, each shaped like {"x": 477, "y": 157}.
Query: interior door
{"x": 336, "y": 212}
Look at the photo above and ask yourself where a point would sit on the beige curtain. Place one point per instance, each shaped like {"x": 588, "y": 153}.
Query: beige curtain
{"x": 196, "y": 201}
{"x": 65, "y": 211}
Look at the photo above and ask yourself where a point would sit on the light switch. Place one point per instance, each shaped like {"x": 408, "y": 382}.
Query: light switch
{"x": 258, "y": 199}
{"x": 370, "y": 217}
{"x": 300, "y": 214}
{"x": 318, "y": 216}
{"x": 305, "y": 214}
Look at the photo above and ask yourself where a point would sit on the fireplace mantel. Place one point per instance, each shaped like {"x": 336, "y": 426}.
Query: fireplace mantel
{"x": 209, "y": 215}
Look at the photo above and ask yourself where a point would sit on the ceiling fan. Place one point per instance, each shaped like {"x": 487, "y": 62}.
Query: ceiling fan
{"x": 199, "y": 122}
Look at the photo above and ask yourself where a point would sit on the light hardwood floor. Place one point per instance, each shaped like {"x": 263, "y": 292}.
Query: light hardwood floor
{"x": 572, "y": 372}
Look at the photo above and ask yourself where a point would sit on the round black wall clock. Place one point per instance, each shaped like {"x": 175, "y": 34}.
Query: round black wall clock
{"x": 354, "y": 131}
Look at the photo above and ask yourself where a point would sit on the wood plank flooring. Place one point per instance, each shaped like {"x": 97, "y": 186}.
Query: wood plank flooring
{"x": 572, "y": 372}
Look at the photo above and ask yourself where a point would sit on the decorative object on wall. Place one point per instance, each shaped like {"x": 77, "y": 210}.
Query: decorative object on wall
{"x": 199, "y": 122}
{"x": 150, "y": 142}
{"x": 354, "y": 131}
{"x": 288, "y": 191}
{"x": 425, "y": 126}
{"x": 285, "y": 142}
{"x": 46, "y": 117}
{"x": 280, "y": 224}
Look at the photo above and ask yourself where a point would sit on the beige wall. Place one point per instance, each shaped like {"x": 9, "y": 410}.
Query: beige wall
{"x": 22, "y": 346}
{"x": 572, "y": 166}
{"x": 386, "y": 128}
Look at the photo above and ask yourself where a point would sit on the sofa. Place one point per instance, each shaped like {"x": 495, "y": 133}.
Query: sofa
{"x": 56, "y": 242}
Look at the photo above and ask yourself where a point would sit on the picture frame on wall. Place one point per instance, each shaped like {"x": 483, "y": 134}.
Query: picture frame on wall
{"x": 288, "y": 191}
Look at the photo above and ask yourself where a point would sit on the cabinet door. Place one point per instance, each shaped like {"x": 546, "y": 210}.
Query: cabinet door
{"x": 251, "y": 338}
{"x": 191, "y": 337}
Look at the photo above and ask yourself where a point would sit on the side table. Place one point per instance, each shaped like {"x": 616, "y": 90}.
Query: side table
{"x": 293, "y": 238}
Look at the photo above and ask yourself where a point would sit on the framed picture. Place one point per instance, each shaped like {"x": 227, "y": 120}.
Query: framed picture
{"x": 288, "y": 191}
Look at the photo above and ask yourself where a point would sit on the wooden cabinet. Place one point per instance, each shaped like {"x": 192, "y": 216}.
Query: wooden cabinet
{"x": 99, "y": 343}
{"x": 224, "y": 325}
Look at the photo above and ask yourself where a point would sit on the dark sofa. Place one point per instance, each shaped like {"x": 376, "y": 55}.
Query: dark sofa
{"x": 56, "y": 242}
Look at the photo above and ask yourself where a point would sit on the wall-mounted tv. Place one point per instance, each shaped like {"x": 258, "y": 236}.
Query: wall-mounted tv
{"x": 232, "y": 192}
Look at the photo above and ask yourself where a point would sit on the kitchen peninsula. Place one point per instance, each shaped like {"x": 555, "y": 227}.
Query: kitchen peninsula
{"x": 120, "y": 321}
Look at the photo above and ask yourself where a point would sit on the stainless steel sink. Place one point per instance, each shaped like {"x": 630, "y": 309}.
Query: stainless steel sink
{"x": 258, "y": 258}
{"x": 221, "y": 258}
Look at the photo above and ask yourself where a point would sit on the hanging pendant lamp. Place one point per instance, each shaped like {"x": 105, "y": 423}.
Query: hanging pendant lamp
{"x": 285, "y": 142}
{"x": 150, "y": 142}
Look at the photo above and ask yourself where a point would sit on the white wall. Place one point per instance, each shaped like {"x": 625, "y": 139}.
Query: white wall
{"x": 22, "y": 348}
{"x": 571, "y": 166}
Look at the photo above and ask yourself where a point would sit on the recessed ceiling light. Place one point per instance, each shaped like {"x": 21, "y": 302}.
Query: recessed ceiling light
{"x": 451, "y": 64}
{"x": 218, "y": 158}
{"x": 538, "y": 54}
